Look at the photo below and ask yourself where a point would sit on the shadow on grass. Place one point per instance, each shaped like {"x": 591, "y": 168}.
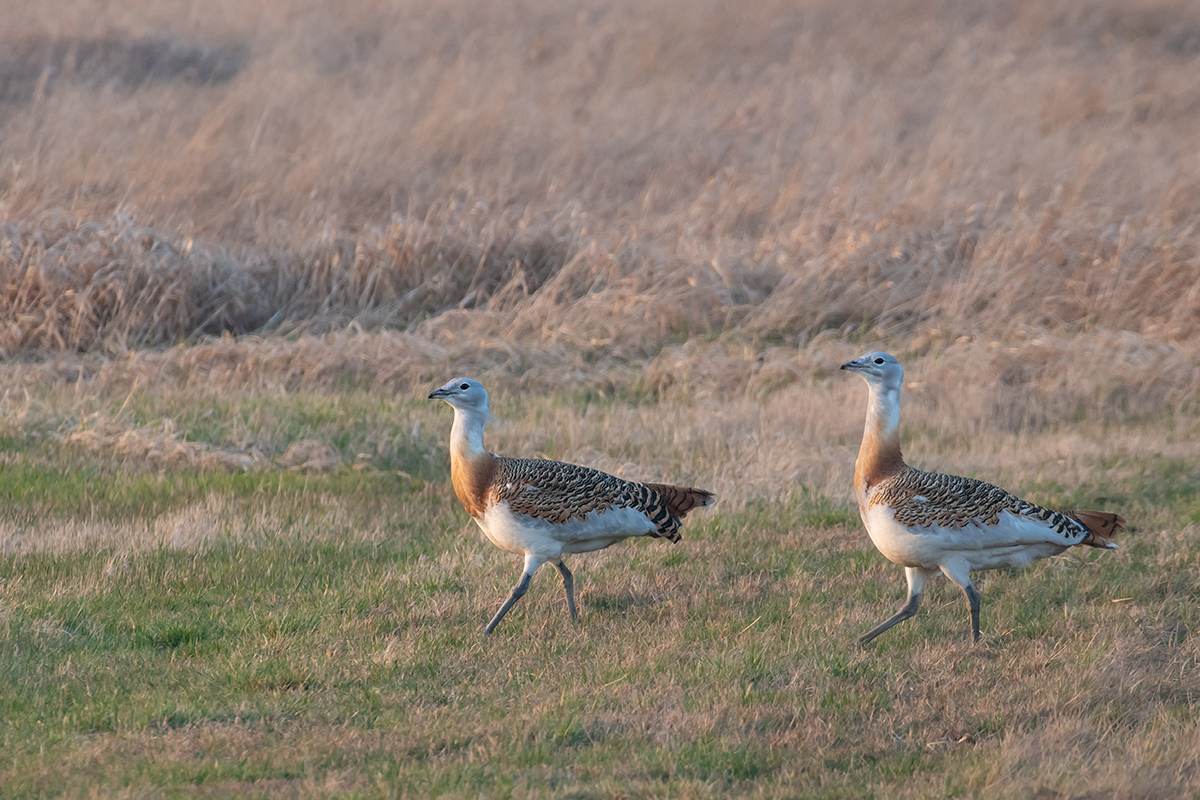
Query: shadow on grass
{"x": 622, "y": 602}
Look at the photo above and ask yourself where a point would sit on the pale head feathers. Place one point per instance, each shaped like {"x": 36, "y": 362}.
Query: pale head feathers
{"x": 880, "y": 370}
{"x": 465, "y": 394}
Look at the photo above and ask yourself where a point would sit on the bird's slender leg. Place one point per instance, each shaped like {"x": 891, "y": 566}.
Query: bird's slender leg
{"x": 532, "y": 563}
{"x": 973, "y": 598}
{"x": 917, "y": 578}
{"x": 568, "y": 586}
{"x": 960, "y": 573}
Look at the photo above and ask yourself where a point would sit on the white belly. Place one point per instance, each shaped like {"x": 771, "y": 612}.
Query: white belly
{"x": 522, "y": 535}
{"x": 1012, "y": 542}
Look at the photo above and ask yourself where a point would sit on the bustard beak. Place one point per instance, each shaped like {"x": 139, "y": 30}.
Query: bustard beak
{"x": 853, "y": 366}
{"x": 436, "y": 393}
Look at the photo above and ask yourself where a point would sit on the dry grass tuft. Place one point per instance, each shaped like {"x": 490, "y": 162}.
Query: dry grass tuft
{"x": 310, "y": 455}
{"x": 157, "y": 447}
{"x": 589, "y": 179}
{"x": 77, "y": 285}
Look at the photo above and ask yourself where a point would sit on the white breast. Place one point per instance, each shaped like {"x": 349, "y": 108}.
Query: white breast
{"x": 521, "y": 534}
{"x": 1012, "y": 542}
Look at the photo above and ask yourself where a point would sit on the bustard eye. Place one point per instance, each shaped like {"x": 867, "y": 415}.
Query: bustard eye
{"x": 879, "y": 361}
{"x": 465, "y": 386}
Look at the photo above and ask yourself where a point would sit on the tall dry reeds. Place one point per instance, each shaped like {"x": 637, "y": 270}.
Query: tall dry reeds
{"x": 608, "y": 177}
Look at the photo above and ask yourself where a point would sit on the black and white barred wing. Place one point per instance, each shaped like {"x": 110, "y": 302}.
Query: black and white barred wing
{"x": 936, "y": 502}
{"x": 567, "y": 494}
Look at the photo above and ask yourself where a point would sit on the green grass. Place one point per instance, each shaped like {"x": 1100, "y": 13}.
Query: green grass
{"x": 278, "y": 643}
{"x": 97, "y": 492}
{"x": 338, "y": 653}
{"x": 353, "y": 422}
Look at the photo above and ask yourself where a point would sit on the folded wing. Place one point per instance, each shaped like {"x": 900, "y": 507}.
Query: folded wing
{"x": 558, "y": 493}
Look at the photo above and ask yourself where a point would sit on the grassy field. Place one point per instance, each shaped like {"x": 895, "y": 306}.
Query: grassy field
{"x": 173, "y": 628}
{"x": 241, "y": 241}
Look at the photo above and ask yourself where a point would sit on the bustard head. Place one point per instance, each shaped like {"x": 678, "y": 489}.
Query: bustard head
{"x": 465, "y": 394}
{"x": 879, "y": 370}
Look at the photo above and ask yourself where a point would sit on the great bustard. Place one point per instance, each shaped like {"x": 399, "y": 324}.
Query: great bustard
{"x": 544, "y": 509}
{"x": 927, "y": 522}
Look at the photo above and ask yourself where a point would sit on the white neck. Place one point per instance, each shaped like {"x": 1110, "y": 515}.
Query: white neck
{"x": 466, "y": 436}
{"x": 883, "y": 412}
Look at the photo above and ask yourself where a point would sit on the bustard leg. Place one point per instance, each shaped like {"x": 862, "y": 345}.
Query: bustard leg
{"x": 532, "y": 563}
{"x": 973, "y": 598}
{"x": 960, "y": 573}
{"x": 568, "y": 586}
{"x": 917, "y": 578}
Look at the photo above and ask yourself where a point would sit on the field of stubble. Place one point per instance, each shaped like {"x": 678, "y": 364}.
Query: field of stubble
{"x": 241, "y": 241}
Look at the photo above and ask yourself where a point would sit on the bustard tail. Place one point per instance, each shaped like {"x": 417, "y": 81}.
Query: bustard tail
{"x": 679, "y": 500}
{"x": 1101, "y": 525}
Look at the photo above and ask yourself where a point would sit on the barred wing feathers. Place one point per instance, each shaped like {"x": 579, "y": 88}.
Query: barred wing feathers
{"x": 921, "y": 499}
{"x": 556, "y": 492}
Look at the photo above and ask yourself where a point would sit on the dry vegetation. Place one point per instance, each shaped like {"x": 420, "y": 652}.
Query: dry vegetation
{"x": 922, "y": 172}
{"x": 239, "y": 241}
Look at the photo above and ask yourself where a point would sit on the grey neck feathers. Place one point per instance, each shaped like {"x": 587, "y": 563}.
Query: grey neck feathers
{"x": 466, "y": 436}
{"x": 883, "y": 413}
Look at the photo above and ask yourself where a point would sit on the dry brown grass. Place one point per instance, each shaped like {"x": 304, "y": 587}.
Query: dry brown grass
{"x": 747, "y": 423}
{"x": 608, "y": 176}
